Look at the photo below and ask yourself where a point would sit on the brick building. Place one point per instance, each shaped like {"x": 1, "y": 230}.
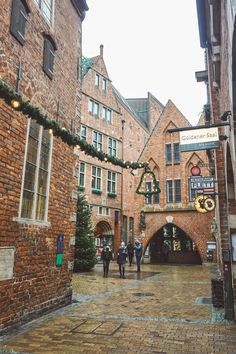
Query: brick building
{"x": 136, "y": 130}
{"x": 216, "y": 20}
{"x": 40, "y": 51}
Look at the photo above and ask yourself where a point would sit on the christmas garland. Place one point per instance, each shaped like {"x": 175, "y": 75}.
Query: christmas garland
{"x": 141, "y": 189}
{"x": 9, "y": 95}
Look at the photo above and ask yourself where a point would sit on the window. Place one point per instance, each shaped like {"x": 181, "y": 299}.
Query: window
{"x": 124, "y": 228}
{"x": 176, "y": 152}
{"x": 107, "y": 211}
{"x": 97, "y": 140}
{"x": 156, "y": 198}
{"x": 46, "y": 9}
{"x": 104, "y": 85}
{"x": 97, "y": 77}
{"x": 82, "y": 174}
{"x": 19, "y": 14}
{"x": 169, "y": 192}
{"x": 111, "y": 182}
{"x": 112, "y": 146}
{"x": 48, "y": 56}
{"x": 94, "y": 108}
{"x": 96, "y": 177}
{"x": 99, "y": 210}
{"x": 106, "y": 114}
{"x": 148, "y": 189}
{"x": 83, "y": 132}
{"x": 131, "y": 229}
{"x": 36, "y": 173}
{"x": 177, "y": 190}
{"x": 168, "y": 153}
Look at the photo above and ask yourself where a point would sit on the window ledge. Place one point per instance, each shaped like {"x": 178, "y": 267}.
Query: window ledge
{"x": 112, "y": 195}
{"x": 168, "y": 163}
{"x": 81, "y": 188}
{"x": 96, "y": 191}
{"x": 42, "y": 224}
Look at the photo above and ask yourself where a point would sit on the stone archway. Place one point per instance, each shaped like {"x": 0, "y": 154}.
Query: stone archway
{"x": 170, "y": 244}
{"x": 104, "y": 236}
{"x": 195, "y": 225}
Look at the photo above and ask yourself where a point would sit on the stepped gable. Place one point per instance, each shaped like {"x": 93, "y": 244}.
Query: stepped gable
{"x": 95, "y": 62}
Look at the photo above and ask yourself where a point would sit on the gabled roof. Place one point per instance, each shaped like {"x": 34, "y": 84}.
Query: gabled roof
{"x": 125, "y": 103}
{"x": 140, "y": 106}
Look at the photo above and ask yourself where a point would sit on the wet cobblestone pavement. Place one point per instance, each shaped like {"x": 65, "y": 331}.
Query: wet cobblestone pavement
{"x": 164, "y": 309}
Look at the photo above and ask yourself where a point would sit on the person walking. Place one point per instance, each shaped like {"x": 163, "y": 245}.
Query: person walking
{"x": 138, "y": 253}
{"x": 106, "y": 257}
{"x": 130, "y": 251}
{"x": 121, "y": 259}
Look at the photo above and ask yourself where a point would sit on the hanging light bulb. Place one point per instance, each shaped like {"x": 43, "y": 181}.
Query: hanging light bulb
{"x": 15, "y": 103}
{"x": 105, "y": 159}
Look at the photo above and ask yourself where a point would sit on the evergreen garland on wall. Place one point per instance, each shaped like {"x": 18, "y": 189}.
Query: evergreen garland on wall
{"x": 26, "y": 107}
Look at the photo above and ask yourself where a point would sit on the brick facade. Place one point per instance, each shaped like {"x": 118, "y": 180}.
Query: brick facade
{"x": 218, "y": 38}
{"x": 140, "y": 128}
{"x": 36, "y": 285}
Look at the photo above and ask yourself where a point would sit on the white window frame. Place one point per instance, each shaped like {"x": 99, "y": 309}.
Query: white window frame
{"x": 83, "y": 132}
{"x": 100, "y": 208}
{"x": 107, "y": 211}
{"x": 91, "y": 108}
{"x": 112, "y": 150}
{"x": 82, "y": 173}
{"x": 106, "y": 114}
{"x": 111, "y": 182}
{"x": 104, "y": 85}
{"x": 97, "y": 140}
{"x": 44, "y": 3}
{"x": 36, "y": 178}
{"x": 97, "y": 178}
{"x": 97, "y": 80}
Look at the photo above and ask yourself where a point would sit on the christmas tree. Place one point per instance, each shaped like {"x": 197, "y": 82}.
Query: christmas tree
{"x": 85, "y": 250}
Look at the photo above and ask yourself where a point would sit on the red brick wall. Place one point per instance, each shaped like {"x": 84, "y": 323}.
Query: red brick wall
{"x": 37, "y": 285}
{"x": 196, "y": 225}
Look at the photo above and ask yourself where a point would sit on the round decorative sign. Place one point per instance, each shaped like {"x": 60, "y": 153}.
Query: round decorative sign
{"x": 209, "y": 204}
{"x": 195, "y": 171}
{"x": 199, "y": 204}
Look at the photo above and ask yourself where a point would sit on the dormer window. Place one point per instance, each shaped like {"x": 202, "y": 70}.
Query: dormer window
{"x": 19, "y": 16}
{"x": 48, "y": 56}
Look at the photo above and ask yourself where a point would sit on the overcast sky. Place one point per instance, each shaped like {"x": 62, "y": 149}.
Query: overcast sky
{"x": 149, "y": 46}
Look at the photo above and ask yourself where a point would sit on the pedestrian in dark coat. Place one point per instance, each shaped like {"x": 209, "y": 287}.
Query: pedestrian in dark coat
{"x": 106, "y": 257}
{"x": 121, "y": 259}
{"x": 138, "y": 253}
{"x": 130, "y": 251}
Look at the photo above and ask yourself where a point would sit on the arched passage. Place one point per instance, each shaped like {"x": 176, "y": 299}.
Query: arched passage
{"x": 104, "y": 236}
{"x": 171, "y": 244}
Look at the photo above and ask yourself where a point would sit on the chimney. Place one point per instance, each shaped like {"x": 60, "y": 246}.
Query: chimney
{"x": 101, "y": 50}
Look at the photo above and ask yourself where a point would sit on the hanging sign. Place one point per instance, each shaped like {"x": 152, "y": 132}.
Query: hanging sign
{"x": 200, "y": 185}
{"x": 199, "y": 139}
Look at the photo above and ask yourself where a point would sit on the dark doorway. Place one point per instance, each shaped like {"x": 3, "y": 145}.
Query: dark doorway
{"x": 171, "y": 245}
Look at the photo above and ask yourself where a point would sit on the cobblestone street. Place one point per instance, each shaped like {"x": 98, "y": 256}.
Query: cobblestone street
{"x": 164, "y": 309}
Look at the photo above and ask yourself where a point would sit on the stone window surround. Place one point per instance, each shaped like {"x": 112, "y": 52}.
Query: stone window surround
{"x": 19, "y": 219}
